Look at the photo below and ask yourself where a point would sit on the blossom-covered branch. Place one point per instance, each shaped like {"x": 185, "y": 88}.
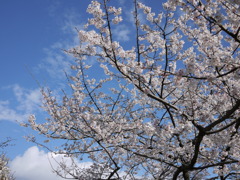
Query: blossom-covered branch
{"x": 166, "y": 105}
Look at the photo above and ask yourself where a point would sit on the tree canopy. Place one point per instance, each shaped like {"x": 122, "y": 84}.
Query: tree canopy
{"x": 165, "y": 106}
{"x": 5, "y": 172}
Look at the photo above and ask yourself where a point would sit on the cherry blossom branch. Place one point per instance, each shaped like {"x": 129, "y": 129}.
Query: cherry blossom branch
{"x": 227, "y": 115}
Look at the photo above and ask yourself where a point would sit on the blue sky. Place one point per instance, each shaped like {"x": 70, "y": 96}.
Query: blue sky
{"x": 32, "y": 34}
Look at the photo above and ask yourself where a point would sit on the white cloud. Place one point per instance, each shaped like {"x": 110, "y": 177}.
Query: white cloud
{"x": 40, "y": 165}
{"x": 35, "y": 164}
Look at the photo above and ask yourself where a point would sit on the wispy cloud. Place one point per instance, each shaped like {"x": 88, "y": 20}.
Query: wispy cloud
{"x": 56, "y": 61}
{"x": 9, "y": 114}
{"x": 121, "y": 32}
{"x": 122, "y": 2}
{"x": 26, "y": 101}
{"x": 53, "y": 8}
{"x": 52, "y": 69}
{"x": 71, "y": 22}
{"x": 29, "y": 100}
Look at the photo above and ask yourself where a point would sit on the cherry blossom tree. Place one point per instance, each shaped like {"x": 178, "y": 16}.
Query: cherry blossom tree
{"x": 5, "y": 172}
{"x": 166, "y": 108}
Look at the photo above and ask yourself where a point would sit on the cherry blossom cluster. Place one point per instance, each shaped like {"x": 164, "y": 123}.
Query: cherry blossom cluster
{"x": 5, "y": 172}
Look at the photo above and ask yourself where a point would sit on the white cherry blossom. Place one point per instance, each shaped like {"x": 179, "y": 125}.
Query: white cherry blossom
{"x": 166, "y": 108}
